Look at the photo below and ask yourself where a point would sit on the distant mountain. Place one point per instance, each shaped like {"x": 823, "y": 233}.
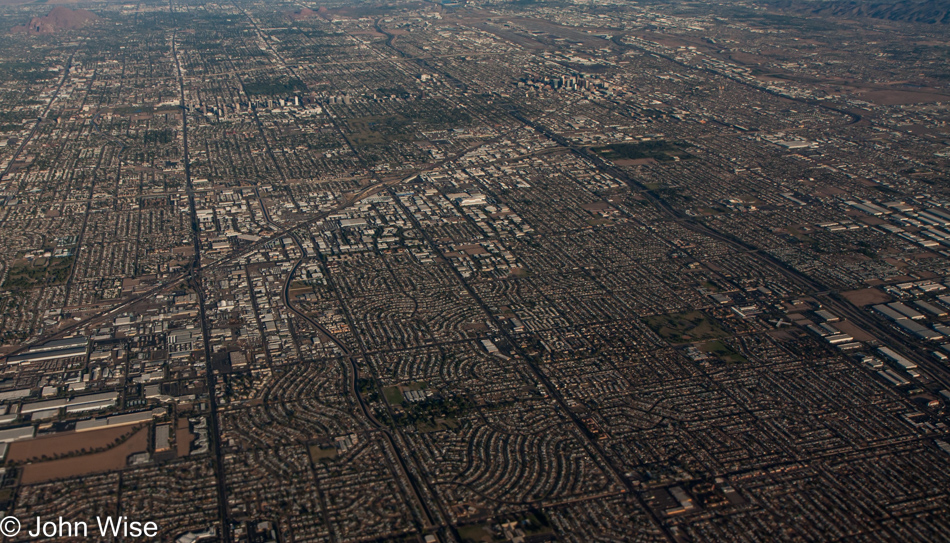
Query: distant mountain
{"x": 61, "y": 18}
{"x": 916, "y": 11}
{"x": 306, "y": 13}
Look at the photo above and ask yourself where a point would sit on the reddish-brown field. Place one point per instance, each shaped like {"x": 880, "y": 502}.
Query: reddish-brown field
{"x": 65, "y": 443}
{"x": 634, "y": 161}
{"x": 898, "y": 97}
{"x": 853, "y": 330}
{"x": 183, "y": 437}
{"x": 866, "y": 296}
{"x": 113, "y": 459}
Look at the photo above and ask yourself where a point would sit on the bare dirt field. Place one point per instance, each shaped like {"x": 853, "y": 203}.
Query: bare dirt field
{"x": 830, "y": 191}
{"x": 373, "y": 33}
{"x": 853, "y": 330}
{"x": 113, "y": 459}
{"x": 634, "y": 161}
{"x": 183, "y": 437}
{"x": 898, "y": 97}
{"x": 866, "y": 296}
{"x": 65, "y": 443}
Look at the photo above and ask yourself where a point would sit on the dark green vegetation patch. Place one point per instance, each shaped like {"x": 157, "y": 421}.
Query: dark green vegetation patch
{"x": 534, "y": 524}
{"x": 722, "y": 351}
{"x": 40, "y": 272}
{"x": 322, "y": 453}
{"x": 283, "y": 86}
{"x": 662, "y": 151}
{"x": 159, "y": 136}
{"x": 378, "y": 130}
{"x": 30, "y": 72}
{"x": 685, "y": 327}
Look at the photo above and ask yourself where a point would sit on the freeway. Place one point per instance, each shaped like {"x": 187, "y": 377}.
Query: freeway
{"x": 217, "y": 463}
{"x": 232, "y": 257}
{"x": 855, "y": 118}
{"x": 353, "y": 389}
{"x": 830, "y": 299}
{"x": 609, "y": 465}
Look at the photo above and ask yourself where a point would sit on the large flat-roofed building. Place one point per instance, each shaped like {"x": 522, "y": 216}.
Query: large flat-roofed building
{"x": 60, "y": 344}
{"x": 79, "y": 403}
{"x": 163, "y": 437}
{"x": 119, "y": 420}
{"x": 15, "y": 394}
{"x": 16, "y": 434}
{"x": 36, "y": 407}
{"x": 52, "y": 350}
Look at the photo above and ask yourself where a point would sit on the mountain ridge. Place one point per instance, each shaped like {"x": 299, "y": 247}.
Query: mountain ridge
{"x": 60, "y": 18}
{"x": 915, "y": 11}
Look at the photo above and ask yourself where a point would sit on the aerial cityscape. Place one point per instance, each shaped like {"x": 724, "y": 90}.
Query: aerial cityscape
{"x": 475, "y": 271}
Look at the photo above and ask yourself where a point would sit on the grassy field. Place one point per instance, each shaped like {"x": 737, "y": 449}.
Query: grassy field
{"x": 379, "y": 130}
{"x": 685, "y": 327}
{"x": 722, "y": 351}
{"x": 475, "y": 533}
{"x": 450, "y": 423}
{"x": 319, "y": 453}
{"x": 42, "y": 271}
{"x": 281, "y": 86}
{"x": 393, "y": 395}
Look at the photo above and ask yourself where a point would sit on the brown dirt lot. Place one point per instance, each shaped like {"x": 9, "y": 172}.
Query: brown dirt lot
{"x": 831, "y": 191}
{"x": 897, "y": 97}
{"x": 634, "y": 161}
{"x": 65, "y": 443}
{"x": 183, "y": 437}
{"x": 112, "y": 459}
{"x": 853, "y": 330}
{"x": 866, "y": 296}
{"x": 473, "y": 250}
